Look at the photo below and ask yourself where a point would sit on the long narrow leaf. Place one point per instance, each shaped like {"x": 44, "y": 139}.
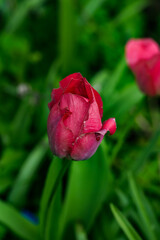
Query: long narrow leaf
{"x": 148, "y": 225}
{"x": 67, "y": 33}
{"x": 27, "y": 173}
{"x": 144, "y": 154}
{"x": 115, "y": 77}
{"x": 20, "y": 13}
{"x": 124, "y": 224}
{"x": 130, "y": 11}
{"x": 90, "y": 8}
{"x": 123, "y": 102}
{"x": 11, "y": 218}
{"x": 87, "y": 189}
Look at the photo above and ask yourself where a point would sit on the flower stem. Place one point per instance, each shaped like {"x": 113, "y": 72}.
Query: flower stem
{"x": 55, "y": 174}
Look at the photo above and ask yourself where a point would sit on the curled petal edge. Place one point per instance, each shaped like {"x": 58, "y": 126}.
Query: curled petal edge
{"x": 108, "y": 126}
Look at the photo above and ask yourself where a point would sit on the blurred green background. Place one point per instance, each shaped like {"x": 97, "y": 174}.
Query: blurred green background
{"x": 41, "y": 42}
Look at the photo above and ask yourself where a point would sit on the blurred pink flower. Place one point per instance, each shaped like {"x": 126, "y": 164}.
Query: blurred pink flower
{"x": 143, "y": 57}
{"x": 74, "y": 124}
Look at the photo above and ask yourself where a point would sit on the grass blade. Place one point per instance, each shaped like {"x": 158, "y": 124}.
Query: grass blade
{"x": 143, "y": 156}
{"x": 20, "y": 13}
{"x": 123, "y": 102}
{"x": 90, "y": 8}
{"x": 124, "y": 224}
{"x": 115, "y": 77}
{"x": 148, "y": 225}
{"x": 67, "y": 34}
{"x": 130, "y": 11}
{"x": 11, "y": 218}
{"x": 24, "y": 179}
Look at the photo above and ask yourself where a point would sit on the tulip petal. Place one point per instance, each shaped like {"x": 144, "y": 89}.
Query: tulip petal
{"x": 53, "y": 120}
{"x": 140, "y": 49}
{"x": 156, "y": 76}
{"x": 60, "y": 138}
{"x": 63, "y": 140}
{"x": 93, "y": 95}
{"x": 85, "y": 146}
{"x": 78, "y": 107}
{"x": 55, "y": 95}
{"x": 93, "y": 123}
{"x": 74, "y": 83}
{"x": 144, "y": 78}
{"x": 99, "y": 102}
{"x": 108, "y": 125}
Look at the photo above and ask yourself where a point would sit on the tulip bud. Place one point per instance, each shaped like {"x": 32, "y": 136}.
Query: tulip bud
{"x": 74, "y": 124}
{"x": 143, "y": 58}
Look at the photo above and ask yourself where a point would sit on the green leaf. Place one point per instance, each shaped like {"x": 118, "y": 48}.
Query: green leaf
{"x": 11, "y": 161}
{"x": 106, "y": 83}
{"x": 27, "y": 172}
{"x": 146, "y": 151}
{"x": 113, "y": 80}
{"x": 122, "y": 102}
{"x": 146, "y": 218}
{"x": 20, "y": 13}
{"x": 88, "y": 186}
{"x": 124, "y": 224}
{"x": 22, "y": 122}
{"x": 2, "y": 231}
{"x": 90, "y": 8}
{"x": 130, "y": 11}
{"x": 99, "y": 80}
{"x": 5, "y": 183}
{"x": 11, "y": 218}
{"x": 122, "y": 135}
{"x": 67, "y": 34}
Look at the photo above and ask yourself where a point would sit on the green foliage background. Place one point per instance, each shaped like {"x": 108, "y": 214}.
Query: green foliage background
{"x": 41, "y": 42}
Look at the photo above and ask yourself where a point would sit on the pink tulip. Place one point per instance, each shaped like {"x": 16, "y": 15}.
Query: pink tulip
{"x": 143, "y": 57}
{"x": 74, "y": 124}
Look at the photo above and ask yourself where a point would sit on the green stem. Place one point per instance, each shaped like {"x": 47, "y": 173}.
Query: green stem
{"x": 154, "y": 111}
{"x": 64, "y": 168}
{"x": 55, "y": 174}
